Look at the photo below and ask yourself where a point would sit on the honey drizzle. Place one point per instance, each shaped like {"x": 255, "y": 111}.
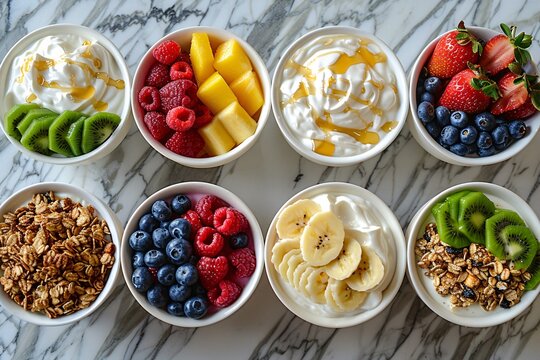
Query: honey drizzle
{"x": 31, "y": 98}
{"x": 389, "y": 126}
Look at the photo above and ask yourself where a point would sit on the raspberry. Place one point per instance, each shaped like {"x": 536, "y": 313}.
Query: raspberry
{"x": 186, "y": 143}
{"x": 181, "y": 118}
{"x": 203, "y": 116}
{"x": 153, "y": 271}
{"x": 178, "y": 93}
{"x": 149, "y": 98}
{"x": 156, "y": 124}
{"x": 158, "y": 76}
{"x": 166, "y": 52}
{"x": 243, "y": 262}
{"x": 193, "y": 218}
{"x": 208, "y": 242}
{"x": 229, "y": 221}
{"x": 212, "y": 270}
{"x": 184, "y": 57}
{"x": 181, "y": 70}
{"x": 206, "y": 206}
{"x": 224, "y": 294}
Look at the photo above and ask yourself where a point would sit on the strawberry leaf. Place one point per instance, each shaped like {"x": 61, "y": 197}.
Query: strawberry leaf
{"x": 506, "y": 30}
{"x": 535, "y": 99}
{"x": 515, "y": 68}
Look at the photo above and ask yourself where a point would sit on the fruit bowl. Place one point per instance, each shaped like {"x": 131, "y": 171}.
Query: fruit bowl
{"x": 474, "y": 315}
{"x": 367, "y": 221}
{"x": 423, "y": 137}
{"x": 217, "y": 36}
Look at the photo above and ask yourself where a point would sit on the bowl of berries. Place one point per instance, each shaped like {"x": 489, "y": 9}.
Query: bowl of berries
{"x": 475, "y": 95}
{"x": 201, "y": 96}
{"x": 192, "y": 254}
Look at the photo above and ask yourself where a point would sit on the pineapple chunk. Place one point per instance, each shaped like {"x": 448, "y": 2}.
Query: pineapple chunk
{"x": 216, "y": 138}
{"x": 201, "y": 56}
{"x": 237, "y": 122}
{"x": 215, "y": 93}
{"x": 231, "y": 60}
{"x": 248, "y": 91}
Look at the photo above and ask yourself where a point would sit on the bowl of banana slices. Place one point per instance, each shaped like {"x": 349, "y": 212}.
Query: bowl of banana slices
{"x": 335, "y": 255}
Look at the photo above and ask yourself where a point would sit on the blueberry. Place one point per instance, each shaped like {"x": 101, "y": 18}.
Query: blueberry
{"x": 505, "y": 304}
{"x": 165, "y": 274}
{"x": 485, "y": 121}
{"x": 161, "y": 210}
{"x": 449, "y": 135}
{"x": 164, "y": 224}
{"x": 487, "y": 152}
{"x": 157, "y": 295}
{"x": 422, "y": 76}
{"x": 178, "y": 251}
{"x": 160, "y": 237}
{"x": 195, "y": 307}
{"x": 500, "y": 121}
{"x": 141, "y": 279}
{"x": 475, "y": 263}
{"x": 138, "y": 259}
{"x": 154, "y": 258}
{"x": 468, "y": 135}
{"x": 459, "y": 119}
{"x": 473, "y": 149}
{"x": 442, "y": 115}
{"x": 430, "y": 98}
{"x": 426, "y": 112}
{"x": 500, "y": 135}
{"x": 198, "y": 290}
{"x": 419, "y": 92}
{"x": 140, "y": 241}
{"x": 427, "y": 237}
{"x": 187, "y": 274}
{"x": 239, "y": 240}
{"x": 517, "y": 129}
{"x": 433, "y": 85}
{"x": 468, "y": 293}
{"x": 459, "y": 149}
{"x": 148, "y": 223}
{"x": 179, "y": 292}
{"x": 453, "y": 251}
{"x": 176, "y": 309}
{"x": 443, "y": 144}
{"x": 180, "y": 228}
{"x": 433, "y": 129}
{"x": 180, "y": 204}
{"x": 484, "y": 140}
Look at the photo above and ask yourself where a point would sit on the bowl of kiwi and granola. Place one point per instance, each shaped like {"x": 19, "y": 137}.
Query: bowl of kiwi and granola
{"x": 473, "y": 254}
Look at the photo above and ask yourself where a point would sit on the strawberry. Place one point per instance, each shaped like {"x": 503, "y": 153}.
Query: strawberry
{"x": 452, "y": 53}
{"x": 505, "y": 49}
{"x": 516, "y": 92}
{"x": 524, "y": 111}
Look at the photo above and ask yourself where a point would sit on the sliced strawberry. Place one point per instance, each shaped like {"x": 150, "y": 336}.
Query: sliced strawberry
{"x": 524, "y": 111}
{"x": 512, "y": 95}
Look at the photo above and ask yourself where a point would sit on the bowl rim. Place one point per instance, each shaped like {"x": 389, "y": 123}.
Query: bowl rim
{"x": 202, "y": 188}
{"x": 104, "y": 212}
{"x": 414, "y": 275}
{"x": 121, "y": 131}
{"x": 401, "y": 83}
{"x": 259, "y": 67}
{"x": 388, "y": 294}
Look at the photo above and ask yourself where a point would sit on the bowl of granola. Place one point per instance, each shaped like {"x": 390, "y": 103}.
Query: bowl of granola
{"x": 473, "y": 255}
{"x": 59, "y": 253}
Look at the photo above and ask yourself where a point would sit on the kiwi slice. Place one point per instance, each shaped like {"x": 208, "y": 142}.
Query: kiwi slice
{"x": 59, "y": 130}
{"x": 31, "y": 116}
{"x": 74, "y": 136}
{"x": 36, "y": 137}
{"x": 448, "y": 228}
{"x": 453, "y": 201}
{"x": 474, "y": 209}
{"x": 494, "y": 225}
{"x": 520, "y": 245}
{"x": 97, "y": 128}
{"x": 14, "y": 116}
{"x": 534, "y": 270}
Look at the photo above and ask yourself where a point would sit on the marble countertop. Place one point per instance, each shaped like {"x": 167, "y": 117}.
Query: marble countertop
{"x": 404, "y": 176}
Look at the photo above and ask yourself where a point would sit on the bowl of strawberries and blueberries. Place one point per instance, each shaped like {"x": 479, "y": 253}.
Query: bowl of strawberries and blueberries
{"x": 474, "y": 96}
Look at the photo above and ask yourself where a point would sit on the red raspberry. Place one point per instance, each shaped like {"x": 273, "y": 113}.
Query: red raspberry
{"x": 181, "y": 118}
{"x": 206, "y": 206}
{"x": 224, "y": 294}
{"x": 212, "y": 270}
{"x": 178, "y": 93}
{"x": 184, "y": 57}
{"x": 193, "y": 218}
{"x": 149, "y": 98}
{"x": 229, "y": 221}
{"x": 158, "y": 76}
{"x": 208, "y": 242}
{"x": 166, "y": 52}
{"x": 181, "y": 70}
{"x": 153, "y": 272}
{"x": 203, "y": 116}
{"x": 156, "y": 124}
{"x": 186, "y": 143}
{"x": 243, "y": 262}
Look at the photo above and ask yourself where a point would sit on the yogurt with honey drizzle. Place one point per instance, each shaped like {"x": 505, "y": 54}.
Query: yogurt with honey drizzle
{"x": 339, "y": 95}
{"x": 66, "y": 72}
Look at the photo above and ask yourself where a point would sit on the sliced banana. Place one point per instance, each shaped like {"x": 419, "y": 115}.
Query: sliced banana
{"x": 369, "y": 273}
{"x": 293, "y": 263}
{"x": 344, "y": 297}
{"x": 347, "y": 261}
{"x": 328, "y": 294}
{"x": 281, "y": 248}
{"x": 322, "y": 239}
{"x": 302, "y": 283}
{"x": 294, "y": 218}
{"x": 284, "y": 266}
{"x": 300, "y": 269}
{"x": 316, "y": 285}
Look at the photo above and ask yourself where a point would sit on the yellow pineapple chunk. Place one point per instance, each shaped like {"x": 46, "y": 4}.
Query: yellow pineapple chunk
{"x": 217, "y": 139}
{"x": 231, "y": 60}
{"x": 215, "y": 93}
{"x": 201, "y": 56}
{"x": 237, "y": 122}
{"x": 248, "y": 91}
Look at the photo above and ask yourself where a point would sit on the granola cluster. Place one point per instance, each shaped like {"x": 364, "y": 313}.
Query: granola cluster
{"x": 55, "y": 255}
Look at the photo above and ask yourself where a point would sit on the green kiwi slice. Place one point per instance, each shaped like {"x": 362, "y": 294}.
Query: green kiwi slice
{"x": 31, "y": 116}
{"x": 494, "y": 226}
{"x": 59, "y": 130}
{"x": 36, "y": 137}
{"x": 474, "y": 209}
{"x": 97, "y": 128}
{"x": 14, "y": 116}
{"x": 520, "y": 245}
{"x": 448, "y": 228}
{"x": 74, "y": 136}
{"x": 453, "y": 201}
{"x": 534, "y": 270}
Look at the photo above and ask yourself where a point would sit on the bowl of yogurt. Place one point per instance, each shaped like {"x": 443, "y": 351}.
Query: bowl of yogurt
{"x": 66, "y": 95}
{"x": 339, "y": 96}
{"x": 334, "y": 255}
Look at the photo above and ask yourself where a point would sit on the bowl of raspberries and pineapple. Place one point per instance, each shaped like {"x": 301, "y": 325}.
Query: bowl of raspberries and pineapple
{"x": 475, "y": 95}
{"x": 201, "y": 96}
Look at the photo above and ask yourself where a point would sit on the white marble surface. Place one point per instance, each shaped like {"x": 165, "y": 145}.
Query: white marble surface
{"x": 404, "y": 176}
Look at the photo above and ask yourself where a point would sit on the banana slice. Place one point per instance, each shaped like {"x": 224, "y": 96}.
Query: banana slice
{"x": 347, "y": 261}
{"x": 293, "y": 263}
{"x": 322, "y": 239}
{"x": 316, "y": 285}
{"x": 284, "y": 266}
{"x": 294, "y": 218}
{"x": 302, "y": 283}
{"x": 298, "y": 272}
{"x": 369, "y": 273}
{"x": 281, "y": 248}
{"x": 346, "y": 298}
{"x": 328, "y": 294}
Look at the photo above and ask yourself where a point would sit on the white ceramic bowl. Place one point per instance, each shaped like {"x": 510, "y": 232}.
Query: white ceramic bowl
{"x": 183, "y": 37}
{"x": 284, "y": 126}
{"x": 473, "y": 316}
{"x": 425, "y": 140}
{"x": 23, "y": 197}
{"x": 302, "y": 307}
{"x": 125, "y": 114}
{"x": 193, "y": 188}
